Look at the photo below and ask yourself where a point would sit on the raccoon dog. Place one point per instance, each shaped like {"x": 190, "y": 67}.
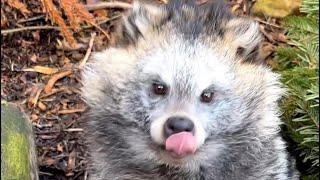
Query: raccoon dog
{"x": 182, "y": 97}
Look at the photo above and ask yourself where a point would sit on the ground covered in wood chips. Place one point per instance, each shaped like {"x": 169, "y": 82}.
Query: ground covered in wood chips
{"x": 40, "y": 71}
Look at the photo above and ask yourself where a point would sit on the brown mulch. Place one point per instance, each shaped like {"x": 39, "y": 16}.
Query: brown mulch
{"x": 39, "y": 71}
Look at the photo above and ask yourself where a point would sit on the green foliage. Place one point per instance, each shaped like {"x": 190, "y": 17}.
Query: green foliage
{"x": 310, "y": 7}
{"x": 299, "y": 66}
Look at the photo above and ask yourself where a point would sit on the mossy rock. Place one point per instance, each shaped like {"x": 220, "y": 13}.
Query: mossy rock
{"x": 18, "y": 159}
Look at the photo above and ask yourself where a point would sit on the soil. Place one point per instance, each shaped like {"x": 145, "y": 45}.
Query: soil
{"x": 56, "y": 115}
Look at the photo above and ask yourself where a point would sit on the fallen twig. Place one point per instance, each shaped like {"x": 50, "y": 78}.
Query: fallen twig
{"x": 103, "y": 5}
{"x": 31, "y": 19}
{"x": 28, "y": 28}
{"x": 42, "y": 125}
{"x": 47, "y": 137}
{"x": 31, "y": 28}
{"x": 47, "y": 132}
{"x": 267, "y": 23}
{"x": 73, "y": 130}
{"x": 104, "y": 21}
{"x": 85, "y": 175}
{"x": 45, "y": 173}
{"x": 100, "y": 29}
{"x": 84, "y": 60}
{"x": 70, "y": 111}
{"x": 54, "y": 91}
{"x": 54, "y": 79}
{"x": 269, "y": 37}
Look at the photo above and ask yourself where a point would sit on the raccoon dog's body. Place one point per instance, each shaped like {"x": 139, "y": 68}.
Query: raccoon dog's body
{"x": 180, "y": 97}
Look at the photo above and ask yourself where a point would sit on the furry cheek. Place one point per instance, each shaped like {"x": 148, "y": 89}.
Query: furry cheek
{"x": 156, "y": 130}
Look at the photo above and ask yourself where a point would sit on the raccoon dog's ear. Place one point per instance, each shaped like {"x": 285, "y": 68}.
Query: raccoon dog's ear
{"x": 246, "y": 37}
{"x": 138, "y": 21}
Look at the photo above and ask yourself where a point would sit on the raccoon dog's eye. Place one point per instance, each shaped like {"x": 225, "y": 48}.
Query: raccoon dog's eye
{"x": 159, "y": 89}
{"x": 206, "y": 97}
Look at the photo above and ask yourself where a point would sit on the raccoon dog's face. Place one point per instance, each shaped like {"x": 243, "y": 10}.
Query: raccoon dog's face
{"x": 188, "y": 93}
{"x": 183, "y": 82}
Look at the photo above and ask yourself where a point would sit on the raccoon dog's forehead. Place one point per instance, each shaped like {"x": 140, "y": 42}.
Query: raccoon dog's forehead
{"x": 185, "y": 66}
{"x": 152, "y": 26}
{"x": 186, "y": 17}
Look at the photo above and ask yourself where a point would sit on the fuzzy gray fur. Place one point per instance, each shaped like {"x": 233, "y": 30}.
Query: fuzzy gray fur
{"x": 190, "y": 48}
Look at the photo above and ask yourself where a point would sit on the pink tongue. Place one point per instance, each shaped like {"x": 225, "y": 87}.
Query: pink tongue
{"x": 181, "y": 144}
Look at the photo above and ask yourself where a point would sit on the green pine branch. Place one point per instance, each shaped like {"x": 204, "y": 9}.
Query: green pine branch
{"x": 298, "y": 63}
{"x": 310, "y": 7}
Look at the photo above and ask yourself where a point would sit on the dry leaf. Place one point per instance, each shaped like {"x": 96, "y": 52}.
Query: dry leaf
{"x": 281, "y": 37}
{"x": 36, "y": 35}
{"x": 42, "y": 106}
{"x": 34, "y": 58}
{"x": 18, "y": 5}
{"x": 34, "y": 117}
{"x": 34, "y": 96}
{"x": 48, "y": 161}
{"x": 235, "y": 7}
{"x": 71, "y": 163}
{"x": 267, "y": 50}
{"x": 4, "y": 20}
{"x": 42, "y": 69}
{"x": 164, "y": 1}
{"x": 279, "y": 8}
{"x": 101, "y": 14}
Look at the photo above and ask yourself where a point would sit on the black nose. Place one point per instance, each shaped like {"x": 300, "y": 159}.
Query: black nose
{"x": 177, "y": 124}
